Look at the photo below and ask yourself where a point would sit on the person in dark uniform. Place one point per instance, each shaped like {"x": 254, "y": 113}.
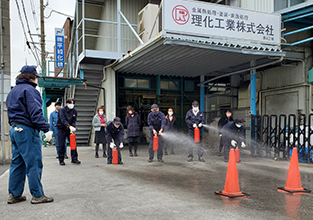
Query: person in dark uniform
{"x": 25, "y": 116}
{"x": 234, "y": 134}
{"x": 133, "y": 130}
{"x": 156, "y": 122}
{"x": 170, "y": 127}
{"x": 223, "y": 121}
{"x": 66, "y": 125}
{"x": 99, "y": 124}
{"x": 115, "y": 138}
{"x": 195, "y": 118}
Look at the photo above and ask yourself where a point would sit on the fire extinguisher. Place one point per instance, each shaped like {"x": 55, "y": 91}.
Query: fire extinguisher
{"x": 115, "y": 156}
{"x": 237, "y": 154}
{"x": 197, "y": 135}
{"x": 155, "y": 143}
{"x": 73, "y": 141}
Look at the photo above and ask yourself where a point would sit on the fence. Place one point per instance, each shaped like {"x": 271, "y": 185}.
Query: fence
{"x": 279, "y": 134}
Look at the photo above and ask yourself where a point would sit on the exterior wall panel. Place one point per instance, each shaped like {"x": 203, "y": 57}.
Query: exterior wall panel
{"x": 258, "y": 5}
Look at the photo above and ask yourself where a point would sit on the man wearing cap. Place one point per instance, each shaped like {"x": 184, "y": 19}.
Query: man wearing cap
{"x": 66, "y": 125}
{"x": 115, "y": 138}
{"x": 194, "y": 119}
{"x": 157, "y": 123}
{"x": 26, "y": 118}
{"x": 226, "y": 117}
{"x": 234, "y": 135}
{"x": 53, "y": 126}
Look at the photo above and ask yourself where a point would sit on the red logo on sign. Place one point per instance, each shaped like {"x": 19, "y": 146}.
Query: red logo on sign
{"x": 180, "y": 14}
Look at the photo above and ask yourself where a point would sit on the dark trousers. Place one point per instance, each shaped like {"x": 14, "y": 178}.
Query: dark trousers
{"x": 200, "y": 146}
{"x": 109, "y": 150}
{"x": 160, "y": 147}
{"x": 167, "y": 143}
{"x": 133, "y": 142}
{"x": 103, "y": 147}
{"x": 63, "y": 134}
{"x": 226, "y": 151}
{"x": 221, "y": 145}
{"x": 26, "y": 160}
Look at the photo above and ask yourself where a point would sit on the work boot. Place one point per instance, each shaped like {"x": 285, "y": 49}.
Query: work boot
{"x": 201, "y": 159}
{"x": 15, "y": 199}
{"x": 150, "y": 160}
{"x": 109, "y": 162}
{"x": 62, "y": 163}
{"x": 161, "y": 160}
{"x": 120, "y": 162}
{"x": 57, "y": 157}
{"x": 76, "y": 162}
{"x": 136, "y": 155}
{"x": 96, "y": 155}
{"x": 41, "y": 199}
{"x": 172, "y": 152}
{"x": 65, "y": 157}
{"x": 165, "y": 152}
{"x": 131, "y": 154}
{"x": 104, "y": 155}
{"x": 189, "y": 159}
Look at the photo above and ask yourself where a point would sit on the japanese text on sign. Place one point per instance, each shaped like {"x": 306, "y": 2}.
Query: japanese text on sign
{"x": 221, "y": 21}
{"x": 59, "y": 47}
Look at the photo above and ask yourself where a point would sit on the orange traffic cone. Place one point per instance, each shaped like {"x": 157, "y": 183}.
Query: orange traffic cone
{"x": 293, "y": 180}
{"x": 231, "y": 189}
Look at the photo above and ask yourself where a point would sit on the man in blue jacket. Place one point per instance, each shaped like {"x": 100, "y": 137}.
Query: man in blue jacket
{"x": 53, "y": 127}
{"x": 195, "y": 118}
{"x": 115, "y": 138}
{"x": 234, "y": 134}
{"x": 66, "y": 125}
{"x": 26, "y": 118}
{"x": 157, "y": 123}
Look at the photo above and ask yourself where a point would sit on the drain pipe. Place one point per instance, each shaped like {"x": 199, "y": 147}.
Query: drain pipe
{"x": 241, "y": 71}
{"x": 2, "y": 86}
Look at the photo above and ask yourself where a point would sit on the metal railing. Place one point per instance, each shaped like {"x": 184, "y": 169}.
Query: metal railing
{"x": 278, "y": 134}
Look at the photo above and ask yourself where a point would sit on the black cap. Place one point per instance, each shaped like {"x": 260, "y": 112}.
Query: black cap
{"x": 30, "y": 69}
{"x": 239, "y": 121}
{"x": 57, "y": 103}
{"x": 195, "y": 103}
{"x": 154, "y": 106}
{"x": 117, "y": 120}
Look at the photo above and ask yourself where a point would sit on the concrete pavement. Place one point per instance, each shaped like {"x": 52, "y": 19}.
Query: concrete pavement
{"x": 172, "y": 190}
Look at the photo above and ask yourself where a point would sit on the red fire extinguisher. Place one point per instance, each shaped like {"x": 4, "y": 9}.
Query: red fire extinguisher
{"x": 197, "y": 135}
{"x": 155, "y": 143}
{"x": 115, "y": 156}
{"x": 237, "y": 154}
{"x": 73, "y": 141}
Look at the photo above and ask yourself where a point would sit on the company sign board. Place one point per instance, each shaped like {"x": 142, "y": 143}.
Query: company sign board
{"x": 59, "y": 48}
{"x": 221, "y": 22}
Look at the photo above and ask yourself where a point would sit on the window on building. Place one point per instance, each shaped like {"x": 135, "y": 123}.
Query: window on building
{"x": 137, "y": 83}
{"x": 169, "y": 85}
{"x": 281, "y": 4}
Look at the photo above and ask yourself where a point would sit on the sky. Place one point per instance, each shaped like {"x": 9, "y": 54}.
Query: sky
{"x": 20, "y": 54}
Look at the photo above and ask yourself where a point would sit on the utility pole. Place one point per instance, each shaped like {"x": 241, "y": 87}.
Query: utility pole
{"x": 43, "y": 41}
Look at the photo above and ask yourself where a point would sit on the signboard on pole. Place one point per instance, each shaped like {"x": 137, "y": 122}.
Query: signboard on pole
{"x": 221, "y": 22}
{"x": 59, "y": 48}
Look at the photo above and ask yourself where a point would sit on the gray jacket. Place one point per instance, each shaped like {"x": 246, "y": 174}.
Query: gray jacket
{"x": 96, "y": 122}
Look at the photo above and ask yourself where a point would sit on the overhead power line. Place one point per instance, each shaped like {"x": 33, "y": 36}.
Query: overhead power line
{"x": 25, "y": 35}
{"x": 58, "y": 12}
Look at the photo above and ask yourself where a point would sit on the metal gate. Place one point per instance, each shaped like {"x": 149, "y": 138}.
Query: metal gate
{"x": 275, "y": 136}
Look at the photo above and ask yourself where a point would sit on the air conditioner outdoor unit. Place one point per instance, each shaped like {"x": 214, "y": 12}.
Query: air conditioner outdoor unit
{"x": 146, "y": 19}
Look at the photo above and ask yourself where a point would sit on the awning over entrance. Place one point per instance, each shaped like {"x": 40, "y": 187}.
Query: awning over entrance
{"x": 178, "y": 55}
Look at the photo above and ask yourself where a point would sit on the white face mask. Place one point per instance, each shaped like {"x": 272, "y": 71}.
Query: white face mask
{"x": 228, "y": 115}
{"x": 116, "y": 125}
{"x": 238, "y": 125}
{"x": 170, "y": 113}
{"x": 70, "y": 106}
{"x": 100, "y": 113}
{"x": 195, "y": 109}
{"x": 130, "y": 112}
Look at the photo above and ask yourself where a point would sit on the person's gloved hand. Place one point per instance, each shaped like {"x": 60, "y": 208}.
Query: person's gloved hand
{"x": 233, "y": 143}
{"x": 160, "y": 131}
{"x": 154, "y": 132}
{"x": 200, "y": 125}
{"x": 112, "y": 145}
{"x": 72, "y": 129}
{"x": 48, "y": 136}
{"x": 121, "y": 145}
{"x": 194, "y": 125}
{"x": 220, "y": 135}
{"x": 243, "y": 145}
